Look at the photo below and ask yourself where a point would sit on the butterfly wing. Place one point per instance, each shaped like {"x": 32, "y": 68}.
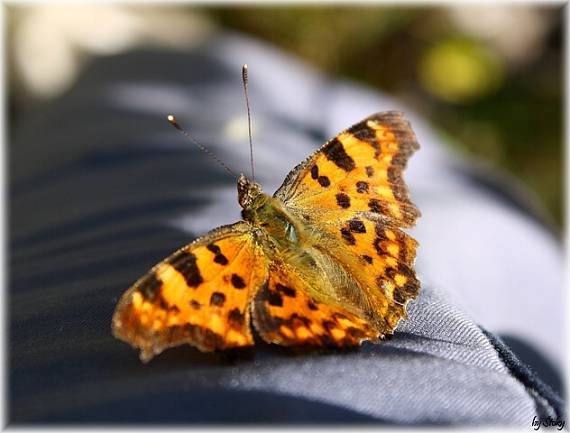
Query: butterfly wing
{"x": 351, "y": 196}
{"x": 358, "y": 170}
{"x": 286, "y": 313}
{"x": 199, "y": 295}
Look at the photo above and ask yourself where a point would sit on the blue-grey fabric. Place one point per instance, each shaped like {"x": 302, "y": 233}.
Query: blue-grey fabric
{"x": 101, "y": 188}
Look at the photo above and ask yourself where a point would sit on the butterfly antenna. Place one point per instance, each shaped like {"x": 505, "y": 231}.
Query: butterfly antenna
{"x": 203, "y": 148}
{"x": 244, "y": 79}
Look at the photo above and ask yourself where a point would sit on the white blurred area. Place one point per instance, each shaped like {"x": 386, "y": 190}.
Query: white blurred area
{"x": 49, "y": 44}
{"x": 516, "y": 32}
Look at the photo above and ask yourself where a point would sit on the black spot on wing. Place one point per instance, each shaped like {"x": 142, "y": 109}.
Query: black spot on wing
{"x": 150, "y": 286}
{"x": 324, "y": 181}
{"x": 362, "y": 187}
{"x": 219, "y": 257}
{"x": 335, "y": 152}
{"x": 399, "y": 296}
{"x": 214, "y": 248}
{"x": 237, "y": 281}
{"x": 380, "y": 238}
{"x": 166, "y": 306}
{"x": 355, "y": 332}
{"x": 315, "y": 172}
{"x": 412, "y": 287}
{"x": 356, "y": 226}
{"x": 185, "y": 263}
{"x": 379, "y": 247}
{"x": 363, "y": 132}
{"x": 369, "y": 171}
{"x": 274, "y": 298}
{"x": 236, "y": 318}
{"x": 295, "y": 320}
{"x": 343, "y": 200}
{"x": 405, "y": 270}
{"x": 347, "y": 236}
{"x": 218, "y": 299}
{"x": 328, "y": 325}
{"x": 377, "y": 206}
{"x": 380, "y": 232}
{"x": 287, "y": 291}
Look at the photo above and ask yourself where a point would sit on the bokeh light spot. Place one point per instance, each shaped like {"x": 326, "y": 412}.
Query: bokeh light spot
{"x": 460, "y": 70}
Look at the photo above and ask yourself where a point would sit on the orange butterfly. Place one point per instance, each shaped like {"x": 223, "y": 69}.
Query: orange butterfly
{"x": 323, "y": 262}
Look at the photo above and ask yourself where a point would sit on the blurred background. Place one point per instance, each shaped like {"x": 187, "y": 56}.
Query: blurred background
{"x": 100, "y": 190}
{"x": 492, "y": 86}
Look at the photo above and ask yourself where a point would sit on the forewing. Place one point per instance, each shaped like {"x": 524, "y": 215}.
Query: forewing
{"x": 358, "y": 170}
{"x": 199, "y": 295}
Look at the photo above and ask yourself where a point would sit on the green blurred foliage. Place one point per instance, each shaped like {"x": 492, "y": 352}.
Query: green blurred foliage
{"x": 460, "y": 70}
{"x": 502, "y": 108}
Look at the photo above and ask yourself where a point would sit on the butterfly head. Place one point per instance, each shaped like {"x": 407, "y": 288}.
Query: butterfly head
{"x": 248, "y": 191}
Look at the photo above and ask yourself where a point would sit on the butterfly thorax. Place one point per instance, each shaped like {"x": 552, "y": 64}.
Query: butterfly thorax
{"x": 267, "y": 214}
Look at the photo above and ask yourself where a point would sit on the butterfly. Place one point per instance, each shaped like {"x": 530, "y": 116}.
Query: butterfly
{"x": 322, "y": 263}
